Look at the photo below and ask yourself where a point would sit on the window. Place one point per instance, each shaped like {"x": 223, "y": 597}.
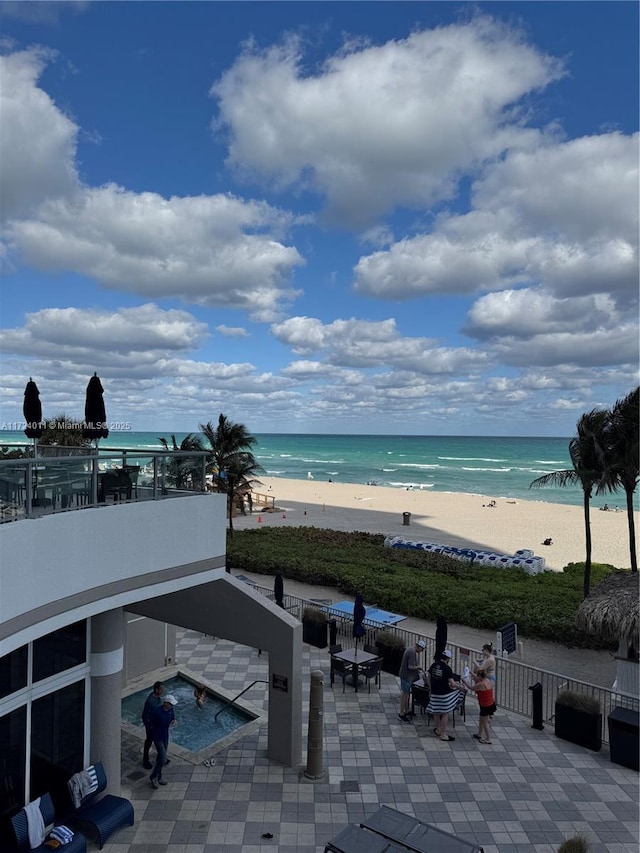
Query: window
{"x": 60, "y": 650}
{"x": 13, "y": 672}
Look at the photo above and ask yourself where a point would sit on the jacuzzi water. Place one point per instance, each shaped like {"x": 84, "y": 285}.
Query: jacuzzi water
{"x": 196, "y": 728}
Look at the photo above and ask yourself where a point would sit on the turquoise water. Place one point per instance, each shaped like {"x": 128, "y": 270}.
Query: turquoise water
{"x": 492, "y": 466}
{"x": 196, "y": 728}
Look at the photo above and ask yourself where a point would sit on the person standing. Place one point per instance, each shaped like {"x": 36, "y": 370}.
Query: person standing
{"x": 483, "y": 688}
{"x": 154, "y": 700}
{"x": 445, "y": 693}
{"x": 161, "y": 720}
{"x": 487, "y": 664}
{"x": 409, "y": 672}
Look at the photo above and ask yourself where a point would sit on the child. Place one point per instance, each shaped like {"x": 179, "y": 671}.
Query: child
{"x": 201, "y": 696}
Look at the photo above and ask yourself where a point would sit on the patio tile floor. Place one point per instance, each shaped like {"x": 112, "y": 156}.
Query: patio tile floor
{"x": 525, "y": 793}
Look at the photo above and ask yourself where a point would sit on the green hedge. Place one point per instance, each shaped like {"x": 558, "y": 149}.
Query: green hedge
{"x": 421, "y": 584}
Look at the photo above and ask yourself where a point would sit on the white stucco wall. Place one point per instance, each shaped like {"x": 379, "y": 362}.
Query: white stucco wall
{"x": 104, "y": 557}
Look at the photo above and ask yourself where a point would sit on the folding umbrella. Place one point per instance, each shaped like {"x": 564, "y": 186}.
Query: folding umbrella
{"x": 441, "y": 635}
{"x": 359, "y": 614}
{"x": 278, "y": 589}
{"x": 95, "y": 418}
{"x": 32, "y": 410}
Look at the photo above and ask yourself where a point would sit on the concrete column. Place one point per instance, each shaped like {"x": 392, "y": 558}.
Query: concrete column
{"x": 285, "y": 705}
{"x": 107, "y": 661}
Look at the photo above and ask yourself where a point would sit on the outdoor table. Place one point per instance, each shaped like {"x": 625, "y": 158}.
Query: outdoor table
{"x": 355, "y": 659}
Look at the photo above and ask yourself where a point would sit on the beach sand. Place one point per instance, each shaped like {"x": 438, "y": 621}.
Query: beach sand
{"x": 446, "y": 518}
{"x": 454, "y": 519}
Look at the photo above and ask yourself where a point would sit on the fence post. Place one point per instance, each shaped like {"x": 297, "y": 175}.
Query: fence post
{"x": 314, "y": 746}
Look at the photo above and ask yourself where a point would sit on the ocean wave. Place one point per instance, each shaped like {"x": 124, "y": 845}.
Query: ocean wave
{"x": 418, "y": 465}
{"x": 497, "y": 470}
{"x": 401, "y": 485}
{"x": 389, "y": 470}
{"x": 549, "y": 462}
{"x": 471, "y": 459}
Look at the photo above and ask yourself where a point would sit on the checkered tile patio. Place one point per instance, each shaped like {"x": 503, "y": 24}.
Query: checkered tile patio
{"x": 524, "y": 794}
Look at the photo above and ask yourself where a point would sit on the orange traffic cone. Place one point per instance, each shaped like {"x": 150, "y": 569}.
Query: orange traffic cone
{"x": 259, "y": 519}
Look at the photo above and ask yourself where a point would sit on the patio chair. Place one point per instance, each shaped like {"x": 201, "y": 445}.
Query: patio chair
{"x": 78, "y": 843}
{"x": 134, "y": 472}
{"x": 100, "y": 818}
{"x": 341, "y": 669}
{"x": 372, "y": 650}
{"x": 333, "y": 650}
{"x": 371, "y": 671}
{"x": 420, "y": 696}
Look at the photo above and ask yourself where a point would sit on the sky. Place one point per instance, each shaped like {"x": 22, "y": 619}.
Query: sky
{"x": 320, "y": 217}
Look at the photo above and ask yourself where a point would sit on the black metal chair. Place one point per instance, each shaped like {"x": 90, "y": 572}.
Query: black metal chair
{"x": 333, "y": 650}
{"x": 371, "y": 671}
{"x": 420, "y": 696}
{"x": 341, "y": 669}
{"x": 372, "y": 650}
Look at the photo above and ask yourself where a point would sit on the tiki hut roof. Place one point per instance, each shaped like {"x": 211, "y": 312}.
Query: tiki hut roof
{"x": 611, "y": 609}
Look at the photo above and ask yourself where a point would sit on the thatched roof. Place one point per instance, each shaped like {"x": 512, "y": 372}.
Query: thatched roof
{"x": 611, "y": 608}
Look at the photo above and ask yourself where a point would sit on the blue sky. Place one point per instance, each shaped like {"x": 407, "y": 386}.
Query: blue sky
{"x": 413, "y": 218}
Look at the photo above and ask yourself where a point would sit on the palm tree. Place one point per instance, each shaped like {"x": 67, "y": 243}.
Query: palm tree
{"x": 587, "y": 457}
{"x": 181, "y": 468}
{"x": 621, "y": 455}
{"x": 232, "y": 461}
{"x": 63, "y": 431}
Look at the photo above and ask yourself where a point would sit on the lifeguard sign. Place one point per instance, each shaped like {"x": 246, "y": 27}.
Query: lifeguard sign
{"x": 507, "y": 639}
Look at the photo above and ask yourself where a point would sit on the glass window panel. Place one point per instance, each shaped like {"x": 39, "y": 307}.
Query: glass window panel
{"x": 13, "y": 747}
{"x": 57, "y": 740}
{"x": 60, "y": 650}
{"x": 13, "y": 671}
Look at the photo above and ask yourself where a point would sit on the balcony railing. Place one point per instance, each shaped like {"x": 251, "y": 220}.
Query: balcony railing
{"x": 50, "y": 483}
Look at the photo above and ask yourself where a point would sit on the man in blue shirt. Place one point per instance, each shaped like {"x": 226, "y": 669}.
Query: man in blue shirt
{"x": 161, "y": 719}
{"x": 154, "y": 700}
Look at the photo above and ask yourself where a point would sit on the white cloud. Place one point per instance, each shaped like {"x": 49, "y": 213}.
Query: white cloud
{"x": 87, "y": 337}
{"x": 232, "y": 331}
{"x": 364, "y": 344}
{"x": 212, "y": 250}
{"x": 37, "y": 141}
{"x": 565, "y": 215}
{"x": 382, "y": 125}
{"x": 202, "y": 249}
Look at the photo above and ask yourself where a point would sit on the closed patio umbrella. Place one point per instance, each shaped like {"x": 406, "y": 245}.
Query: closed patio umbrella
{"x": 359, "y": 614}
{"x": 441, "y": 635}
{"x": 32, "y": 410}
{"x": 278, "y": 589}
{"x": 95, "y": 417}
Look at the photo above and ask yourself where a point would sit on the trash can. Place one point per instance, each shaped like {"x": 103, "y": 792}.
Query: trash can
{"x": 624, "y": 725}
{"x": 406, "y": 518}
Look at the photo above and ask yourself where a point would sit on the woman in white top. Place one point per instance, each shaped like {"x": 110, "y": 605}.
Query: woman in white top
{"x": 488, "y": 663}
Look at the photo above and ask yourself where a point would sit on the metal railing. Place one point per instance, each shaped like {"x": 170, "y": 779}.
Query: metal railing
{"x": 47, "y": 484}
{"x": 513, "y": 678}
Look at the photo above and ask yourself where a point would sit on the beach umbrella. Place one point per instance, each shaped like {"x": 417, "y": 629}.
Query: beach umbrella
{"x": 32, "y": 410}
{"x": 441, "y": 635}
{"x": 278, "y": 589}
{"x": 95, "y": 417}
{"x": 359, "y": 614}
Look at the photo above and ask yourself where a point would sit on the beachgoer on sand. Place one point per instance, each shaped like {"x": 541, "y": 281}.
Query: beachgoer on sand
{"x": 548, "y": 541}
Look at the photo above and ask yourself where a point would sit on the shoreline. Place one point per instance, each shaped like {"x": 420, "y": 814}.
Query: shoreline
{"x": 447, "y": 518}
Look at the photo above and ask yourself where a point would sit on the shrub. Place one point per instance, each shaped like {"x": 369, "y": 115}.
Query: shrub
{"x": 312, "y": 614}
{"x": 577, "y": 844}
{"x": 386, "y": 638}
{"x": 419, "y": 583}
{"x": 579, "y": 701}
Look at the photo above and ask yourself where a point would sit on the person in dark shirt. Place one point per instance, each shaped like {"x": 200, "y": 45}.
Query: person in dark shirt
{"x": 154, "y": 700}
{"x": 162, "y": 719}
{"x": 445, "y": 694}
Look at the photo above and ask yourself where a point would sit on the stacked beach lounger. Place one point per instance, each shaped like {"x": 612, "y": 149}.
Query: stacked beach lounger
{"x": 523, "y": 559}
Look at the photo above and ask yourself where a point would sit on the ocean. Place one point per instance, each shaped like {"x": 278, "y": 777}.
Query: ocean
{"x": 495, "y": 467}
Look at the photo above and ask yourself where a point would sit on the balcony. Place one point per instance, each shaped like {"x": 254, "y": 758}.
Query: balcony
{"x": 68, "y": 480}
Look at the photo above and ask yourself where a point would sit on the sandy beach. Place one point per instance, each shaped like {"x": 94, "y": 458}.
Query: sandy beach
{"x": 449, "y": 519}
